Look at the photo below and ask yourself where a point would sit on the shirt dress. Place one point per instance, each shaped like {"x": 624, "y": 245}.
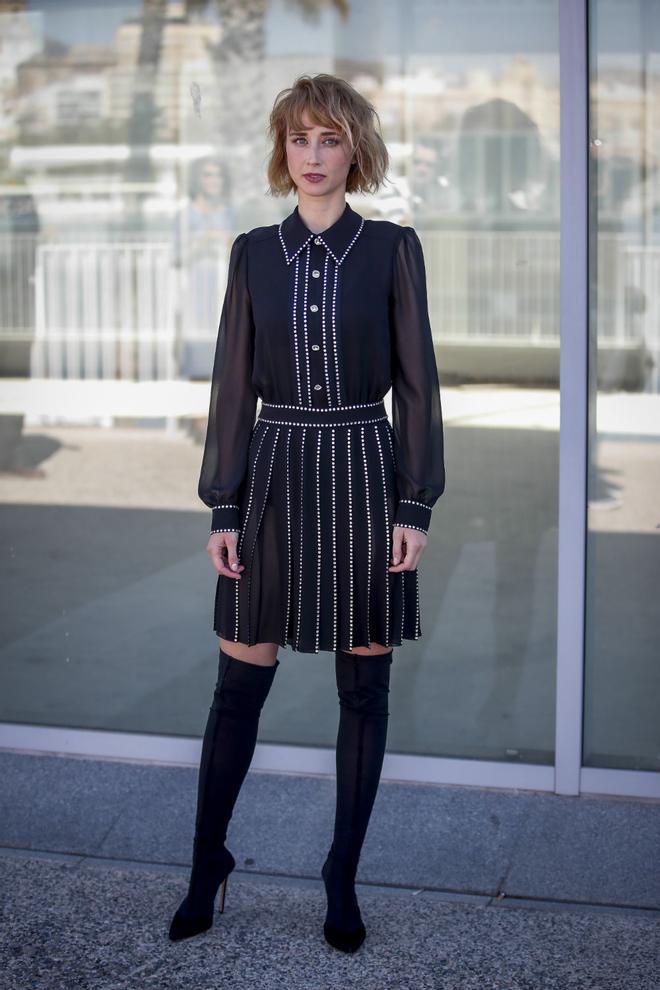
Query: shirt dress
{"x": 319, "y": 327}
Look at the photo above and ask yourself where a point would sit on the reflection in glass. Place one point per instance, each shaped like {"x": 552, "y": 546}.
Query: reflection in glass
{"x": 623, "y": 619}
{"x": 139, "y": 135}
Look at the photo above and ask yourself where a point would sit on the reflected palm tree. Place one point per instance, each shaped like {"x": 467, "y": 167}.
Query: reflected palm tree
{"x": 238, "y": 58}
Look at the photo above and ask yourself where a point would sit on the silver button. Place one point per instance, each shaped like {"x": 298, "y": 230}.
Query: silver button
{"x": 315, "y": 347}
{"x": 315, "y": 273}
{"x": 314, "y": 308}
{"x": 317, "y": 240}
{"x": 317, "y": 387}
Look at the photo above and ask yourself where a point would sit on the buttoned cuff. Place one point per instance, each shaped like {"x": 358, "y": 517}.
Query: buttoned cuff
{"x": 225, "y": 519}
{"x": 413, "y": 514}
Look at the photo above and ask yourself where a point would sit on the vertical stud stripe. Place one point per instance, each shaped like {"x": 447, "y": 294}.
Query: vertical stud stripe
{"x": 302, "y": 531}
{"x": 296, "y": 274}
{"x": 318, "y": 539}
{"x": 241, "y": 538}
{"x": 334, "y": 332}
{"x": 256, "y": 533}
{"x": 288, "y": 539}
{"x": 334, "y": 542}
{"x": 369, "y": 535}
{"x": 323, "y": 331}
{"x": 305, "y": 345}
{"x": 388, "y": 542}
{"x": 350, "y": 544}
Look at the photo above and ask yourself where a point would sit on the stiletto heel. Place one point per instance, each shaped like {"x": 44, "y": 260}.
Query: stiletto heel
{"x": 223, "y": 890}
{"x": 195, "y": 913}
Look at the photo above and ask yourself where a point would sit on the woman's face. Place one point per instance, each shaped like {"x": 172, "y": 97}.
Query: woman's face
{"x": 317, "y": 150}
{"x": 211, "y": 181}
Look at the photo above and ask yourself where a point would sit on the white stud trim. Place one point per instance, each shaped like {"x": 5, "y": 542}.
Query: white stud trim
{"x": 319, "y": 409}
{"x": 388, "y": 542}
{"x": 334, "y": 541}
{"x": 247, "y": 516}
{"x": 334, "y": 331}
{"x": 369, "y": 535}
{"x": 318, "y": 539}
{"x": 289, "y": 258}
{"x": 288, "y": 539}
{"x": 302, "y": 531}
{"x": 312, "y": 426}
{"x": 305, "y": 347}
{"x": 295, "y": 329}
{"x": 323, "y": 327}
{"x": 350, "y": 545}
{"x": 256, "y": 533}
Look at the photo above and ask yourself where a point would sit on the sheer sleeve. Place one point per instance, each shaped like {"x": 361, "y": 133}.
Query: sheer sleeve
{"x": 416, "y": 408}
{"x": 233, "y": 400}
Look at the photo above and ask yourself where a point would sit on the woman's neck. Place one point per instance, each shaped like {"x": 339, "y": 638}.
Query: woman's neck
{"x": 320, "y": 213}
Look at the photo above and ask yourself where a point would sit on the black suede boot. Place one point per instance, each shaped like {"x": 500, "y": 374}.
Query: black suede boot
{"x": 229, "y": 742}
{"x": 363, "y": 688}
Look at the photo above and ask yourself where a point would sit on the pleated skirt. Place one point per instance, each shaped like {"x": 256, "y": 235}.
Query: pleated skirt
{"x": 316, "y": 539}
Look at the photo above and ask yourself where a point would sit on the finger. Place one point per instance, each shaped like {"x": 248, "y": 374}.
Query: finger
{"x": 411, "y": 552}
{"x": 223, "y": 555}
{"x": 397, "y": 540}
{"x": 232, "y": 556}
{"x": 400, "y": 549}
{"x": 416, "y": 550}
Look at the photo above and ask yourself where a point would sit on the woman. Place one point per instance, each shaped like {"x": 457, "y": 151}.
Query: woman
{"x": 325, "y": 502}
{"x": 202, "y": 237}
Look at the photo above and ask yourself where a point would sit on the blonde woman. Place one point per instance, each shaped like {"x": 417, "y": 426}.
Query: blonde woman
{"x": 320, "y": 508}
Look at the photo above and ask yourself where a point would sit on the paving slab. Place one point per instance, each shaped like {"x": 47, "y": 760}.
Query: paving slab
{"x": 69, "y": 924}
{"x": 592, "y": 850}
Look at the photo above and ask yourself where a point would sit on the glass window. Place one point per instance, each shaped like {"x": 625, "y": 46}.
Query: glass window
{"x": 623, "y": 618}
{"x": 133, "y": 151}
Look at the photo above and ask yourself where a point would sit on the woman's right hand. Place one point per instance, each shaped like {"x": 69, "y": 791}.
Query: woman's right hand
{"x": 221, "y": 548}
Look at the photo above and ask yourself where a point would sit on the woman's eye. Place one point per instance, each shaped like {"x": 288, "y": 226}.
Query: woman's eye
{"x": 334, "y": 140}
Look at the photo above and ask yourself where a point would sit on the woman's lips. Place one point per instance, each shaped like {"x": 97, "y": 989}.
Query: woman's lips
{"x": 313, "y": 176}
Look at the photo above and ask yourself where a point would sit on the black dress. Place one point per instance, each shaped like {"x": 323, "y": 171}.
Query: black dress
{"x": 319, "y": 327}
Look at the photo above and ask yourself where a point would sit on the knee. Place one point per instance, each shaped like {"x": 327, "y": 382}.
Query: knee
{"x": 262, "y": 654}
{"x": 242, "y": 687}
{"x": 375, "y": 650}
{"x": 363, "y": 682}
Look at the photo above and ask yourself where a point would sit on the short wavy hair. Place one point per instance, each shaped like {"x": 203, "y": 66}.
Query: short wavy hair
{"x": 331, "y": 102}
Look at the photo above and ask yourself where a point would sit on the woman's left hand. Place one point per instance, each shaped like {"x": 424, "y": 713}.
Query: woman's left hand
{"x": 408, "y": 545}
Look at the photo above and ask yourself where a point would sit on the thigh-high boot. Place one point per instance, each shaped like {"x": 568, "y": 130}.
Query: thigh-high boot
{"x": 227, "y": 750}
{"x": 363, "y": 687}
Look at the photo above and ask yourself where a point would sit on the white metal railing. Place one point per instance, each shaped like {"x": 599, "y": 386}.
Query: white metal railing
{"x": 108, "y": 310}
{"x": 642, "y": 292}
{"x": 485, "y": 286}
{"x": 104, "y": 311}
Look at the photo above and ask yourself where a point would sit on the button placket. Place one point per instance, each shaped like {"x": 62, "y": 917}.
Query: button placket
{"x": 314, "y": 287}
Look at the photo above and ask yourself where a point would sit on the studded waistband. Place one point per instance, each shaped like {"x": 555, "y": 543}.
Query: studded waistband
{"x": 290, "y": 415}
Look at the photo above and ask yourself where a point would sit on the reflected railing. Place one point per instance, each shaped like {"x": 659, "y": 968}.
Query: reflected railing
{"x": 112, "y": 309}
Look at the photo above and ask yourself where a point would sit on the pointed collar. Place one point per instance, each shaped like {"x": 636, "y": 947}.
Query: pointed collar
{"x": 337, "y": 239}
